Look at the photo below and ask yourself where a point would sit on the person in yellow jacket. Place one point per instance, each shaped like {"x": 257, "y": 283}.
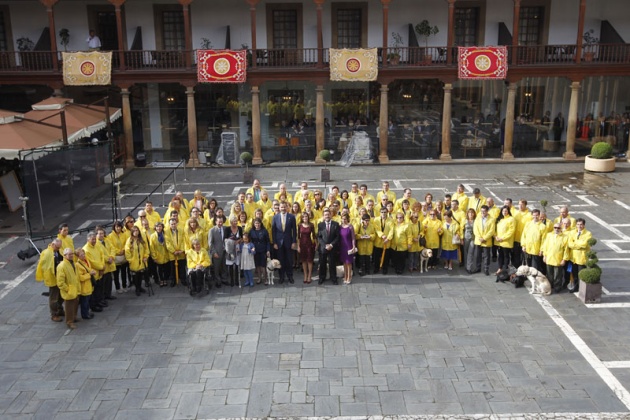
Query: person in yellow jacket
{"x": 432, "y": 230}
{"x": 365, "y": 235}
{"x": 566, "y": 221}
{"x": 484, "y": 232}
{"x": 494, "y": 212}
{"x": 265, "y": 202}
{"x": 194, "y": 231}
{"x": 401, "y": 243}
{"x": 532, "y": 240}
{"x": 198, "y": 201}
{"x": 476, "y": 201}
{"x": 66, "y": 239}
{"x": 159, "y": 254}
{"x": 152, "y": 215}
{"x": 256, "y": 190}
{"x": 461, "y": 197}
{"x": 556, "y": 253}
{"x": 137, "y": 255}
{"x": 288, "y": 196}
{"x": 451, "y": 239}
{"x": 504, "y": 237}
{"x": 384, "y": 233}
{"x": 175, "y": 243}
{"x": 68, "y": 283}
{"x": 197, "y": 261}
{"x": 85, "y": 273}
{"x": 386, "y": 192}
{"x": 110, "y": 264}
{"x": 117, "y": 239}
{"x": 522, "y": 216}
{"x": 416, "y": 231}
{"x": 578, "y": 244}
{"x": 96, "y": 260}
{"x": 406, "y": 196}
{"x": 46, "y": 269}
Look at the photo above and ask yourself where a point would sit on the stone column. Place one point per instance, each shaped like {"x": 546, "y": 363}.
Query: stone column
{"x": 572, "y": 122}
{"x": 446, "y": 123}
{"x": 320, "y": 129}
{"x": 382, "y": 126}
{"x": 252, "y": 24}
{"x": 187, "y": 36}
{"x": 192, "y": 125}
{"x": 320, "y": 36}
{"x": 256, "y": 138}
{"x": 580, "y": 31}
{"x": 127, "y": 127}
{"x": 509, "y": 123}
{"x": 385, "y": 4}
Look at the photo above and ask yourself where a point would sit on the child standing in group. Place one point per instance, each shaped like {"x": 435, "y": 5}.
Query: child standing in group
{"x": 247, "y": 260}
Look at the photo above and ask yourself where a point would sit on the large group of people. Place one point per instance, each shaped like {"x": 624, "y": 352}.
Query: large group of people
{"x": 200, "y": 244}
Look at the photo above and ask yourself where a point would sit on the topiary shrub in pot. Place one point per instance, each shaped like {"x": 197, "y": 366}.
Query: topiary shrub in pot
{"x": 601, "y": 158}
{"x": 325, "y": 155}
{"x": 248, "y": 175}
{"x": 590, "y": 277}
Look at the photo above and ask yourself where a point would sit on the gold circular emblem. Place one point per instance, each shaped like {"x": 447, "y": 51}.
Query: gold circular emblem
{"x": 482, "y": 62}
{"x": 353, "y": 65}
{"x": 221, "y": 66}
{"x": 87, "y": 68}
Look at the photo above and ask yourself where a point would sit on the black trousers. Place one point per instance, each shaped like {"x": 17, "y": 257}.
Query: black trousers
{"x": 196, "y": 280}
{"x": 399, "y": 258}
{"x": 107, "y": 282}
{"x": 328, "y": 260}
{"x": 377, "y": 253}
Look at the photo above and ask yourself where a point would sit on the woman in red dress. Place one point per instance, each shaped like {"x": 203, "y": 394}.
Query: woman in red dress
{"x": 306, "y": 245}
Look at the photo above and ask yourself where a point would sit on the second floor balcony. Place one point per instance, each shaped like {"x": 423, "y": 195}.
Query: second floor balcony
{"x": 564, "y": 55}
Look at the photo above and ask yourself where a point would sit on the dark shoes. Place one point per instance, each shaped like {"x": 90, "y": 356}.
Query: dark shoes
{"x": 97, "y": 309}
{"x": 486, "y": 272}
{"x": 90, "y": 316}
{"x": 320, "y": 281}
{"x": 335, "y": 282}
{"x": 111, "y": 297}
{"x": 291, "y": 280}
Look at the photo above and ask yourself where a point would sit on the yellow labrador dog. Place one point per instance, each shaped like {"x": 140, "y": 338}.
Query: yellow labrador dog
{"x": 425, "y": 255}
{"x": 272, "y": 266}
{"x": 540, "y": 283}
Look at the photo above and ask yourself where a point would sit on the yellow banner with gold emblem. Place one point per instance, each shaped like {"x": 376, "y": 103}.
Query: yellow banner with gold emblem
{"x": 87, "y": 68}
{"x": 353, "y": 65}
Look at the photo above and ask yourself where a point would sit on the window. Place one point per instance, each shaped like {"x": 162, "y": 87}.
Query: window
{"x": 173, "y": 30}
{"x": 284, "y": 26}
{"x": 530, "y": 26}
{"x": 348, "y": 28}
{"x": 285, "y": 29}
{"x": 349, "y": 25}
{"x": 169, "y": 27}
{"x": 466, "y": 26}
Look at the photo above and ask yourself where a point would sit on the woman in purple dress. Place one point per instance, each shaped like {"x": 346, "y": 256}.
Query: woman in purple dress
{"x": 306, "y": 245}
{"x": 347, "y": 248}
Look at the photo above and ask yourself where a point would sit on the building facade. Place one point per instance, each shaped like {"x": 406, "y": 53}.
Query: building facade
{"x": 567, "y": 81}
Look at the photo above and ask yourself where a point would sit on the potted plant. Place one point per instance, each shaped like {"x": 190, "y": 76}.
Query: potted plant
{"x": 64, "y": 38}
{"x": 425, "y": 30}
{"x": 248, "y": 175}
{"x": 325, "y": 155}
{"x": 589, "y": 42}
{"x": 206, "y": 44}
{"x": 590, "y": 277}
{"x": 601, "y": 158}
{"x": 25, "y": 45}
{"x": 394, "y": 55}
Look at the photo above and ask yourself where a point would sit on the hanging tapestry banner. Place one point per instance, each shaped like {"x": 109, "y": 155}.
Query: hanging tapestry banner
{"x": 482, "y": 62}
{"x": 221, "y": 66}
{"x": 355, "y": 65}
{"x": 87, "y": 68}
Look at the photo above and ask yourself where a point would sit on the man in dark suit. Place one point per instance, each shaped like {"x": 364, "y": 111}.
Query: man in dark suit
{"x": 328, "y": 244}
{"x": 284, "y": 231}
{"x": 216, "y": 243}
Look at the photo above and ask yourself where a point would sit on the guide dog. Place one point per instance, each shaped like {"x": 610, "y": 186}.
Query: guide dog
{"x": 540, "y": 283}
{"x": 272, "y": 267}
{"x": 425, "y": 255}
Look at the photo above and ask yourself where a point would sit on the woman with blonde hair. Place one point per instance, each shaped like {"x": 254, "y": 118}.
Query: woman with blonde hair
{"x": 137, "y": 254}
{"x": 451, "y": 239}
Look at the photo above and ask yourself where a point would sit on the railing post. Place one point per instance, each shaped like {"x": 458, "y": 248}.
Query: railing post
{"x": 184, "y": 166}
{"x": 162, "y": 187}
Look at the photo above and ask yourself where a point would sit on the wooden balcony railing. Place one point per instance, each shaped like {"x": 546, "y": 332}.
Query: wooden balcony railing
{"x": 304, "y": 58}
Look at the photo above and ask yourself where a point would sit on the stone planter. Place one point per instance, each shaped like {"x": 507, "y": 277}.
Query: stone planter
{"x": 599, "y": 165}
{"x": 590, "y": 293}
{"x": 551, "y": 145}
{"x": 248, "y": 177}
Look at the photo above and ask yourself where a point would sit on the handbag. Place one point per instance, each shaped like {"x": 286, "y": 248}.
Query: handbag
{"x": 456, "y": 239}
{"x": 120, "y": 259}
{"x": 422, "y": 241}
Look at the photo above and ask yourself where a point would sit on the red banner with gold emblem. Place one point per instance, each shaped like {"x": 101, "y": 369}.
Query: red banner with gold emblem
{"x": 87, "y": 68}
{"x": 221, "y": 66}
{"x": 482, "y": 62}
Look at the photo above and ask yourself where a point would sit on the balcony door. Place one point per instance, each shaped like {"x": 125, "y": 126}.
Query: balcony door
{"x": 169, "y": 27}
{"x": 6, "y": 42}
{"x": 284, "y": 26}
{"x": 349, "y": 25}
{"x": 103, "y": 20}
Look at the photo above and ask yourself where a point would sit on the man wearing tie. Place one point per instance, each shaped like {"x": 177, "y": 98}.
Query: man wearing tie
{"x": 216, "y": 244}
{"x": 284, "y": 232}
{"x": 328, "y": 243}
